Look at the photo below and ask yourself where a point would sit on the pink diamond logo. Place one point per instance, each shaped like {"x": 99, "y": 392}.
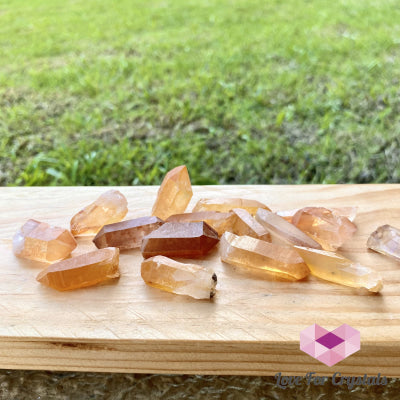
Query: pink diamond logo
{"x": 330, "y": 347}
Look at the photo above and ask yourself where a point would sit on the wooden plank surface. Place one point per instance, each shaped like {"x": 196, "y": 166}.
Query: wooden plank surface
{"x": 251, "y": 327}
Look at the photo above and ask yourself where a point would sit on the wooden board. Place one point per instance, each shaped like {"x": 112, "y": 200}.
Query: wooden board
{"x": 251, "y": 327}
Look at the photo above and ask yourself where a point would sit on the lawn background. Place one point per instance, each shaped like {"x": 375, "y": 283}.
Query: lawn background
{"x": 246, "y": 91}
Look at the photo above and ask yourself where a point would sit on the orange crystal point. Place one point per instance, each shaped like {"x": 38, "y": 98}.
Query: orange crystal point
{"x": 126, "y": 234}
{"x": 385, "y": 240}
{"x": 175, "y": 277}
{"x": 174, "y": 194}
{"x": 41, "y": 242}
{"x": 336, "y": 268}
{"x": 284, "y": 230}
{"x": 348, "y": 212}
{"x": 245, "y": 225}
{"x": 245, "y": 251}
{"x": 220, "y": 221}
{"x": 324, "y": 226}
{"x": 85, "y": 270}
{"x": 223, "y": 204}
{"x": 110, "y": 207}
{"x": 175, "y": 239}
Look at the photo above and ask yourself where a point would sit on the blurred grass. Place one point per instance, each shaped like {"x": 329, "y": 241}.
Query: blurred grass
{"x": 241, "y": 91}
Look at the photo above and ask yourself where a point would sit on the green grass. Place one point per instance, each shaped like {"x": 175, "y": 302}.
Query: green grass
{"x": 241, "y": 91}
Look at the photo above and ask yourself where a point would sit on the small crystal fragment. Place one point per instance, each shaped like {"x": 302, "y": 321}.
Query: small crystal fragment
{"x": 175, "y": 277}
{"x": 219, "y": 221}
{"x": 85, "y": 270}
{"x": 245, "y": 251}
{"x": 110, "y": 207}
{"x": 175, "y": 239}
{"x": 41, "y": 242}
{"x": 325, "y": 227}
{"x": 385, "y": 240}
{"x": 126, "y": 234}
{"x": 284, "y": 230}
{"x": 336, "y": 268}
{"x": 348, "y": 212}
{"x": 223, "y": 204}
{"x": 174, "y": 193}
{"x": 244, "y": 224}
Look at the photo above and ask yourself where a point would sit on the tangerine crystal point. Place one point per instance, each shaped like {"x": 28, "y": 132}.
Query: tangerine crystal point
{"x": 335, "y": 268}
{"x": 224, "y": 204}
{"x": 348, "y": 212}
{"x": 219, "y": 221}
{"x": 179, "y": 278}
{"x": 284, "y": 230}
{"x": 252, "y": 253}
{"x": 42, "y": 242}
{"x": 244, "y": 224}
{"x": 385, "y": 240}
{"x": 174, "y": 193}
{"x": 110, "y": 207}
{"x": 175, "y": 239}
{"x": 81, "y": 271}
{"x": 126, "y": 234}
{"x": 324, "y": 226}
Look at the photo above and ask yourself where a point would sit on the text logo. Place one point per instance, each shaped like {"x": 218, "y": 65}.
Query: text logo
{"x": 330, "y": 347}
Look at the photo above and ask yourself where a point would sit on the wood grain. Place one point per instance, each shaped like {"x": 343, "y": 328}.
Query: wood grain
{"x": 251, "y": 327}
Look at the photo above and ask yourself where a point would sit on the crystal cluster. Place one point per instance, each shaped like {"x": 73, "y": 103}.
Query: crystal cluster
{"x": 110, "y": 207}
{"x": 307, "y": 240}
{"x": 41, "y": 242}
{"x": 385, "y": 240}
{"x": 82, "y": 271}
{"x": 175, "y": 277}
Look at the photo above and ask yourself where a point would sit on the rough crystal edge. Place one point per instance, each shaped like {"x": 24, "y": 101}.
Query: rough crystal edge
{"x": 116, "y": 273}
{"x": 292, "y": 238}
{"x": 75, "y": 229}
{"x": 18, "y": 241}
{"x": 350, "y": 212}
{"x": 269, "y": 271}
{"x": 182, "y": 267}
{"x": 378, "y": 232}
{"x": 377, "y": 287}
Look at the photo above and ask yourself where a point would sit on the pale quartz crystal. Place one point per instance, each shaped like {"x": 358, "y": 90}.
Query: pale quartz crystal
{"x": 81, "y": 271}
{"x": 219, "y": 221}
{"x": 174, "y": 193}
{"x": 223, "y": 204}
{"x": 255, "y": 254}
{"x": 325, "y": 227}
{"x": 385, "y": 240}
{"x": 336, "y": 268}
{"x": 244, "y": 224}
{"x": 110, "y": 207}
{"x": 348, "y": 212}
{"x": 284, "y": 230}
{"x": 179, "y": 278}
{"x": 42, "y": 242}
